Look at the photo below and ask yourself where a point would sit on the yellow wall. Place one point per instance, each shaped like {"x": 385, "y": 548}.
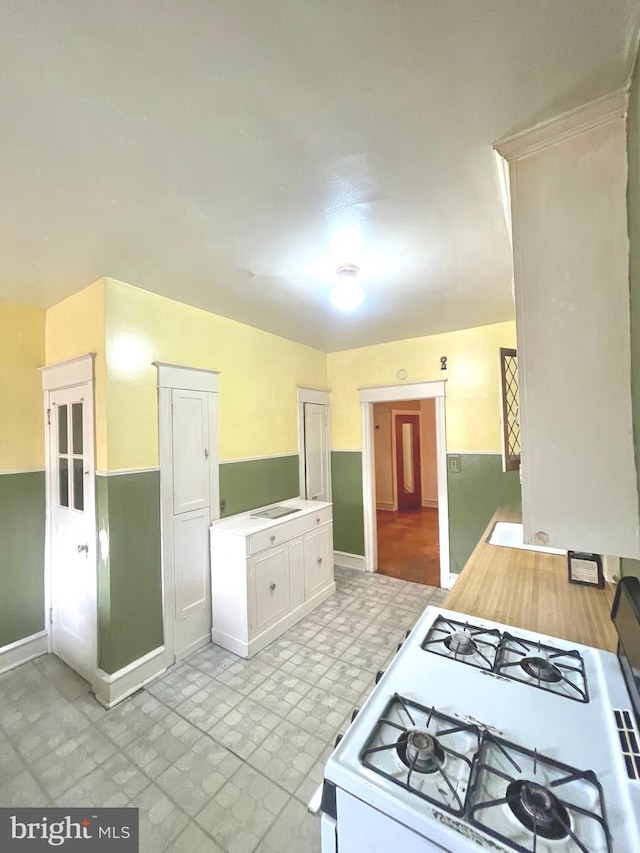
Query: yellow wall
{"x": 75, "y": 327}
{"x": 259, "y": 375}
{"x": 473, "y": 402}
{"x": 21, "y": 412}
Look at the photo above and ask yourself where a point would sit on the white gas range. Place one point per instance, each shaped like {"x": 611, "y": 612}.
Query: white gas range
{"x": 482, "y": 737}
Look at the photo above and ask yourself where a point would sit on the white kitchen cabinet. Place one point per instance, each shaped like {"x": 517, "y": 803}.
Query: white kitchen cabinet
{"x": 266, "y": 574}
{"x": 568, "y": 206}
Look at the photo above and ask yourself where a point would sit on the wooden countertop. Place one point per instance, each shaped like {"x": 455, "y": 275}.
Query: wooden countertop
{"x": 530, "y": 590}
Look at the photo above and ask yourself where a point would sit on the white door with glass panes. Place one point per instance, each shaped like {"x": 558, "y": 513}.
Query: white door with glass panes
{"x": 72, "y": 528}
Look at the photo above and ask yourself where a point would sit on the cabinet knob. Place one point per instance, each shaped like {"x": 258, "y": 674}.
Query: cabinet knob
{"x": 318, "y": 520}
{"x": 272, "y": 587}
{"x": 319, "y": 560}
{"x": 273, "y": 538}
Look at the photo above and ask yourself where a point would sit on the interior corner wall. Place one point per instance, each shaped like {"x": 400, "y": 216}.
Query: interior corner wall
{"x": 22, "y": 481}
{"x": 258, "y": 441}
{"x": 472, "y": 417}
{"x": 628, "y": 566}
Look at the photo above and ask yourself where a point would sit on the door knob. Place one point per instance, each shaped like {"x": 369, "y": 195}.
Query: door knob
{"x": 319, "y": 560}
{"x": 272, "y": 587}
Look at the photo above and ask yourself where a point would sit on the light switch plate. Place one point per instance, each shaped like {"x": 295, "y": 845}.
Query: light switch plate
{"x": 453, "y": 463}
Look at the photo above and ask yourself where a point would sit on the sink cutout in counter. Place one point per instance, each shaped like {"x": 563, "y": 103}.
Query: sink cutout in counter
{"x": 275, "y": 512}
{"x": 511, "y": 535}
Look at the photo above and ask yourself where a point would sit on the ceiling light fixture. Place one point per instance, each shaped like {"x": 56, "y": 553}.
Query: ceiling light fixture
{"x": 347, "y": 293}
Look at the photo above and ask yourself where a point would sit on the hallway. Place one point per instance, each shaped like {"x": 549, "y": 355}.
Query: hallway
{"x": 408, "y": 545}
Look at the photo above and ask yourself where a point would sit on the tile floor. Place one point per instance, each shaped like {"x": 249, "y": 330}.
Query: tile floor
{"x": 220, "y": 754}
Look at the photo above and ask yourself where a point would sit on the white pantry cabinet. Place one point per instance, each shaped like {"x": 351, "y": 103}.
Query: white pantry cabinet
{"x": 266, "y": 574}
{"x": 571, "y": 283}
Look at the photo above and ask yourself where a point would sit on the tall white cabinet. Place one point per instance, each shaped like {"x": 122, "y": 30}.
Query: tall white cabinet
{"x": 571, "y": 253}
{"x": 266, "y": 574}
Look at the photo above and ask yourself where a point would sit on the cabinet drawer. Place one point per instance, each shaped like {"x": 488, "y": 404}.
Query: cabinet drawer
{"x": 287, "y": 530}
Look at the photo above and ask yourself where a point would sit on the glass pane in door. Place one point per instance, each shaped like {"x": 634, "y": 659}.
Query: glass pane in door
{"x": 63, "y": 481}
{"x": 76, "y": 426}
{"x": 407, "y": 458}
{"x": 63, "y": 440}
{"x": 78, "y": 484}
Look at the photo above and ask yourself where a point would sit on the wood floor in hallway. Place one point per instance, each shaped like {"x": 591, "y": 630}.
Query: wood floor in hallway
{"x": 408, "y": 545}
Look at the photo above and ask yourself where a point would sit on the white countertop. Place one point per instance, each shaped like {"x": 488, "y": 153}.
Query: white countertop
{"x": 244, "y": 523}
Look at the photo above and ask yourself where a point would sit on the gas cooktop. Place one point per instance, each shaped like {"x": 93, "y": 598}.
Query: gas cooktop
{"x": 467, "y": 743}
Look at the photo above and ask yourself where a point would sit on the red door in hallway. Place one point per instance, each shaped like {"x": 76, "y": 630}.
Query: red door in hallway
{"x": 408, "y": 461}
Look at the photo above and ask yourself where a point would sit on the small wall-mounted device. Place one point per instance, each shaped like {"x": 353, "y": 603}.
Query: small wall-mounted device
{"x": 585, "y": 568}
{"x": 443, "y": 362}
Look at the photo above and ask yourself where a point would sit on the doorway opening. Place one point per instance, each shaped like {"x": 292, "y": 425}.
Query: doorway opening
{"x": 407, "y": 490}
{"x": 397, "y": 397}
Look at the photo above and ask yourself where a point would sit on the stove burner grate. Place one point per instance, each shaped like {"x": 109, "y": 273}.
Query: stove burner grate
{"x": 424, "y": 752}
{"x": 537, "y": 809}
{"x": 558, "y": 671}
{"x": 463, "y": 642}
{"x": 514, "y": 788}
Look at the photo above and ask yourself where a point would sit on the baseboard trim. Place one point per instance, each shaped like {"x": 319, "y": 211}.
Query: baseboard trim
{"x": 386, "y": 505}
{"x": 22, "y": 651}
{"x": 428, "y": 504}
{"x": 349, "y": 561}
{"x": 111, "y": 688}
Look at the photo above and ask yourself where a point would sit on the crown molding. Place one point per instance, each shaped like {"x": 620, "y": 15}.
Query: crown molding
{"x": 568, "y": 124}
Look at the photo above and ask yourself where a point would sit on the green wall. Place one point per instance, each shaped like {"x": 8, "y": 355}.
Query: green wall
{"x": 248, "y": 484}
{"x": 633, "y": 213}
{"x": 346, "y": 490}
{"x": 475, "y": 493}
{"x": 22, "y": 527}
{"x": 130, "y": 578}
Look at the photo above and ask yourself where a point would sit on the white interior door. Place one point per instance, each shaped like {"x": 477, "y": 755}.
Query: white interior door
{"x": 316, "y": 452}
{"x": 72, "y": 526}
{"x": 191, "y": 476}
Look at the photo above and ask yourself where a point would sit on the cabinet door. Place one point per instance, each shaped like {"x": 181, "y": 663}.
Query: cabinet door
{"x": 270, "y": 586}
{"x": 318, "y": 559}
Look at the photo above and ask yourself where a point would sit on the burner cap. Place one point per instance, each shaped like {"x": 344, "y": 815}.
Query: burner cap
{"x": 541, "y": 669}
{"x": 460, "y": 643}
{"x": 420, "y": 751}
{"x": 538, "y": 809}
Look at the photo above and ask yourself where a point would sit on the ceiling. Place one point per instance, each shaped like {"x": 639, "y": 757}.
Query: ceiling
{"x": 231, "y": 153}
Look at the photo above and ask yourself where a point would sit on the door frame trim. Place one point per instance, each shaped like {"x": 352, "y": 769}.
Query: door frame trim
{"x": 323, "y": 398}
{"x": 170, "y": 377}
{"x": 71, "y": 373}
{"x": 391, "y": 393}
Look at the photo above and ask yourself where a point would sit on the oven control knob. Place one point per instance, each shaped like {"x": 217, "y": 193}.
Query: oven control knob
{"x": 379, "y": 675}
{"x": 338, "y": 739}
{"x": 407, "y": 634}
{"x": 356, "y": 711}
{"x": 400, "y": 645}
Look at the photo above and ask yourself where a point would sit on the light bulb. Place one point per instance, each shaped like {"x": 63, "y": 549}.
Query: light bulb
{"x": 347, "y": 294}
